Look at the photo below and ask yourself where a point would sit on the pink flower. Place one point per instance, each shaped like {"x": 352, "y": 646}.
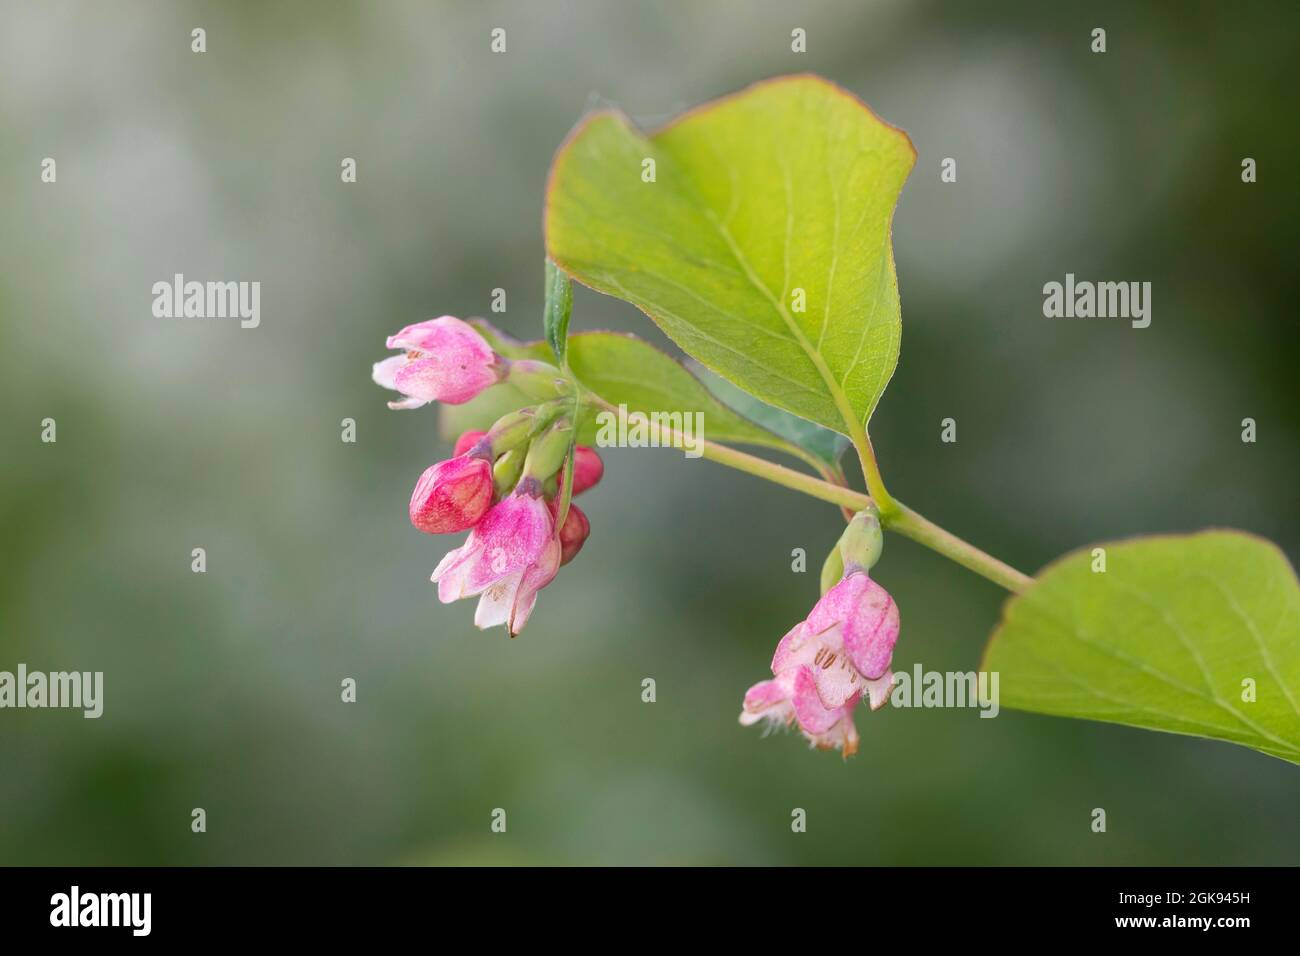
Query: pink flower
{"x": 445, "y": 360}
{"x": 828, "y": 661}
{"x": 511, "y": 554}
{"x": 452, "y": 495}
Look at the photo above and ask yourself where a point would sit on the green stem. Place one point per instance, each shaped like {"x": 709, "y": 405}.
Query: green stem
{"x": 786, "y": 477}
{"x": 898, "y": 518}
{"x": 901, "y": 519}
{"x": 924, "y": 531}
{"x": 871, "y": 471}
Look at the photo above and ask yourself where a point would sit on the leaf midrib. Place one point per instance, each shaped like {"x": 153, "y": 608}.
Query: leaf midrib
{"x": 838, "y": 396}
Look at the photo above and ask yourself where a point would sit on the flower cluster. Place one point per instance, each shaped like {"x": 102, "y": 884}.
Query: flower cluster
{"x": 506, "y": 485}
{"x": 508, "y": 488}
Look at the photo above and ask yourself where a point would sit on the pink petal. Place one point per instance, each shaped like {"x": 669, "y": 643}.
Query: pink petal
{"x": 794, "y": 649}
{"x": 509, "y": 538}
{"x": 768, "y": 700}
{"x": 451, "y": 573}
{"x": 764, "y": 694}
{"x": 871, "y": 632}
{"x": 514, "y": 534}
{"x": 837, "y": 678}
{"x": 535, "y": 578}
{"x": 437, "y": 378}
{"x": 444, "y": 332}
{"x": 839, "y": 603}
{"x": 814, "y": 717}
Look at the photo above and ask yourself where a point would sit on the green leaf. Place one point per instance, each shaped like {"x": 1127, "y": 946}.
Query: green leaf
{"x": 1168, "y": 637}
{"x": 826, "y": 446}
{"x": 784, "y": 190}
{"x": 625, "y": 370}
{"x": 559, "y": 306}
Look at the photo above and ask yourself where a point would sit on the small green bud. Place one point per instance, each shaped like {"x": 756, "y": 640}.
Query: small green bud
{"x": 862, "y": 540}
{"x": 506, "y": 472}
{"x": 547, "y": 452}
{"x": 512, "y": 430}
{"x": 538, "y": 380}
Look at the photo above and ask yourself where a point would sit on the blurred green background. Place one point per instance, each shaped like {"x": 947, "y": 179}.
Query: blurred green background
{"x": 222, "y": 689}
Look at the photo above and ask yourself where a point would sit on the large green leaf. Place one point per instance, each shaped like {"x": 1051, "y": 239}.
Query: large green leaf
{"x": 1169, "y": 637}
{"x": 786, "y": 187}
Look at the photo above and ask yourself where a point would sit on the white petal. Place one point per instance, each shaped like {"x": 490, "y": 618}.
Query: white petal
{"x": 837, "y": 678}
{"x": 408, "y": 403}
{"x": 385, "y": 373}
{"x": 450, "y": 574}
{"x": 495, "y": 604}
{"x": 878, "y": 690}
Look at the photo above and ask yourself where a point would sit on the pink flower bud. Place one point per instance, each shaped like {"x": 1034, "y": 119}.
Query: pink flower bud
{"x": 511, "y": 554}
{"x": 824, "y": 666}
{"x": 445, "y": 360}
{"x": 588, "y": 469}
{"x": 573, "y": 533}
{"x": 467, "y": 441}
{"x": 452, "y": 495}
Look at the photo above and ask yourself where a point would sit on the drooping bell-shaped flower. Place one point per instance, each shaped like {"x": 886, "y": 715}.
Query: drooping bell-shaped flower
{"x": 839, "y": 654}
{"x": 452, "y": 495}
{"x": 512, "y": 604}
{"x": 829, "y": 661}
{"x": 443, "y": 360}
{"x": 848, "y": 642}
{"x": 510, "y": 555}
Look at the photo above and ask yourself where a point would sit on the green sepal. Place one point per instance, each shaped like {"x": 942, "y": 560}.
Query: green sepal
{"x": 832, "y": 569}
